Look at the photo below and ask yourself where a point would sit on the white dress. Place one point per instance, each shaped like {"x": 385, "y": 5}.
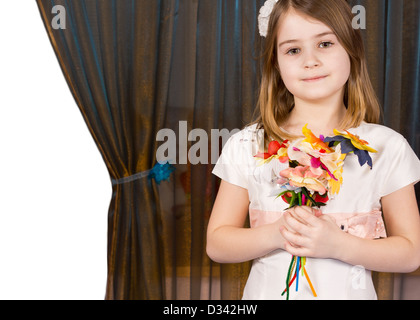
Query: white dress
{"x": 357, "y": 210}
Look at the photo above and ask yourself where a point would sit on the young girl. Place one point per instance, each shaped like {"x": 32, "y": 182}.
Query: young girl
{"x": 315, "y": 74}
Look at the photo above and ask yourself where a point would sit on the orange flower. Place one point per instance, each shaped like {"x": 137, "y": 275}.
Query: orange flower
{"x": 316, "y": 142}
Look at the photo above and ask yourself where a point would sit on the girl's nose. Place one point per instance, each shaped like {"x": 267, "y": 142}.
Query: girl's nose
{"x": 311, "y": 61}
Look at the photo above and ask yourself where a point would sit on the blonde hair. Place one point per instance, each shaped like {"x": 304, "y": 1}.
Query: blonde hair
{"x": 275, "y": 101}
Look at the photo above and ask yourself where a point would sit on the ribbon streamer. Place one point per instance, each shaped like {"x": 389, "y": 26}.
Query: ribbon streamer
{"x": 297, "y": 264}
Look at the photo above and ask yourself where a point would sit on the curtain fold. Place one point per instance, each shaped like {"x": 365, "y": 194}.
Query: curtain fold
{"x": 392, "y": 41}
{"x": 225, "y": 93}
{"x": 213, "y": 87}
{"x": 116, "y": 58}
{"x": 136, "y": 67}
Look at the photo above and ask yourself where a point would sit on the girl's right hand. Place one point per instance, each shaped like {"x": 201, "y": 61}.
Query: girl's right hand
{"x": 282, "y": 224}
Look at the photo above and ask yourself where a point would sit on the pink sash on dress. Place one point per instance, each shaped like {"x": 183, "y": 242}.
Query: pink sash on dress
{"x": 363, "y": 225}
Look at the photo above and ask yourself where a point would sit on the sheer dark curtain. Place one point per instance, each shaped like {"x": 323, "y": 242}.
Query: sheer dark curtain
{"x": 392, "y": 40}
{"x": 136, "y": 67}
{"x": 217, "y": 55}
{"x": 116, "y": 58}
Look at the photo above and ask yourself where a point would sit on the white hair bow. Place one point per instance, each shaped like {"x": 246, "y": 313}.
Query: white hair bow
{"x": 264, "y": 17}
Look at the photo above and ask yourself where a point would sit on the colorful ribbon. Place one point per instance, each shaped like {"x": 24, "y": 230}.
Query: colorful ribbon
{"x": 297, "y": 265}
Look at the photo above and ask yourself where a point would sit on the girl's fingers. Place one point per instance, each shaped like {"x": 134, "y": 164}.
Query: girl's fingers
{"x": 295, "y": 251}
{"x": 292, "y": 213}
{"x": 294, "y": 239}
{"x": 317, "y": 212}
{"x": 328, "y": 218}
{"x": 307, "y": 215}
{"x": 295, "y": 224}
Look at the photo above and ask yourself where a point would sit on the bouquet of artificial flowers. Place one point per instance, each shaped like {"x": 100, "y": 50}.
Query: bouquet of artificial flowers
{"x": 315, "y": 174}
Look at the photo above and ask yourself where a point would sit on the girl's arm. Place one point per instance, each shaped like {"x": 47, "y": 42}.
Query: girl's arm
{"x": 227, "y": 239}
{"x": 400, "y": 252}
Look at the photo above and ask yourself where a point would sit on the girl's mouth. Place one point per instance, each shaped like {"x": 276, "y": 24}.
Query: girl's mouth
{"x": 314, "y": 79}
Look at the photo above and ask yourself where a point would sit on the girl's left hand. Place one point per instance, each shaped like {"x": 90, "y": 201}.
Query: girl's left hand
{"x": 311, "y": 235}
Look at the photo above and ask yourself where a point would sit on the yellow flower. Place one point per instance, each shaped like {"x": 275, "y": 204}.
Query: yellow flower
{"x": 334, "y": 186}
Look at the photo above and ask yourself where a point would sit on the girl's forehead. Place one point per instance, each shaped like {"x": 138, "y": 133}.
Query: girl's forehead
{"x": 294, "y": 25}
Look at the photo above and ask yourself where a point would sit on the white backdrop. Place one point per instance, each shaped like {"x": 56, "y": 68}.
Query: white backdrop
{"x": 54, "y": 186}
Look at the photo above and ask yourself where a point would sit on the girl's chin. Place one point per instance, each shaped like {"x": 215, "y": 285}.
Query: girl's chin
{"x": 317, "y": 95}
{"x": 316, "y": 98}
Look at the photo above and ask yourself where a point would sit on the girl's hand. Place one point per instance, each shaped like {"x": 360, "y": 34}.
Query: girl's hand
{"x": 280, "y": 224}
{"x": 308, "y": 233}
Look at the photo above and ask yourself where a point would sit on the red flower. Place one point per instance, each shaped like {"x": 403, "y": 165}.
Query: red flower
{"x": 321, "y": 199}
{"x": 287, "y": 197}
{"x": 273, "y": 151}
{"x": 273, "y": 148}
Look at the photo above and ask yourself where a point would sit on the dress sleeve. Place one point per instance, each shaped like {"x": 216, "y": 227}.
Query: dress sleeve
{"x": 404, "y": 168}
{"x": 232, "y": 163}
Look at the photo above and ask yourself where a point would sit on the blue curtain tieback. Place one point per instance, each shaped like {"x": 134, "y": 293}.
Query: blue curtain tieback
{"x": 160, "y": 172}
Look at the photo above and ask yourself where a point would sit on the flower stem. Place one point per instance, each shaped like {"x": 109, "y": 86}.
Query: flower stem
{"x": 306, "y": 193}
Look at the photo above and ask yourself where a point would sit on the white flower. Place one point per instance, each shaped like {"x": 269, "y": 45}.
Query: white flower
{"x": 264, "y": 17}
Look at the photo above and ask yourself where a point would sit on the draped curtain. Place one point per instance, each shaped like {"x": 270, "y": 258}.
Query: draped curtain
{"x": 136, "y": 67}
{"x": 116, "y": 57}
{"x": 392, "y": 43}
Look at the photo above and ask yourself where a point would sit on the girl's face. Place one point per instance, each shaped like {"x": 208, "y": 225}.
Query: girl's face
{"x": 313, "y": 64}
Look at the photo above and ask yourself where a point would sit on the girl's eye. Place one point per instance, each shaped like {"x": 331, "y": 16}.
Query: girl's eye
{"x": 293, "y": 52}
{"x": 326, "y": 44}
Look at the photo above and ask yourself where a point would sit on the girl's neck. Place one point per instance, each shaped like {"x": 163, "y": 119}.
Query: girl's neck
{"x": 321, "y": 117}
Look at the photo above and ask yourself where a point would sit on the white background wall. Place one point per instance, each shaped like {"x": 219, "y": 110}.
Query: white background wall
{"x": 54, "y": 187}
